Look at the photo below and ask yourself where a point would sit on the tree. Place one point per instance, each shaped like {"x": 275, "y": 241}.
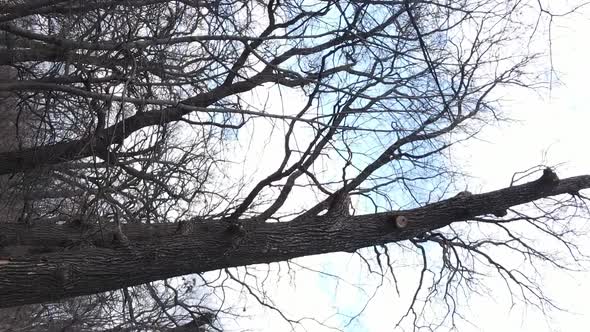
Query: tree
{"x": 148, "y": 307}
{"x": 130, "y": 118}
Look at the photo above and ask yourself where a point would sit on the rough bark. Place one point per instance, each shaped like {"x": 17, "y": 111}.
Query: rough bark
{"x": 11, "y": 204}
{"x": 166, "y": 250}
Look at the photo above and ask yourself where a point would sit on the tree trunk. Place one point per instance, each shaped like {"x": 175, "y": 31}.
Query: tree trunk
{"x": 103, "y": 262}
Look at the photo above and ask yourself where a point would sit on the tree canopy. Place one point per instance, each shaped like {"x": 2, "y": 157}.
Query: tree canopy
{"x": 147, "y": 140}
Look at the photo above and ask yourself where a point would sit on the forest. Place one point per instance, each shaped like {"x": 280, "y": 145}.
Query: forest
{"x": 163, "y": 161}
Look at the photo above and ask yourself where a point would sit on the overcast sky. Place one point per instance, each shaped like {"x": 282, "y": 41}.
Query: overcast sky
{"x": 551, "y": 129}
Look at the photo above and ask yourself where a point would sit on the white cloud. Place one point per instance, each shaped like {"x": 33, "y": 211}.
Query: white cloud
{"x": 551, "y": 128}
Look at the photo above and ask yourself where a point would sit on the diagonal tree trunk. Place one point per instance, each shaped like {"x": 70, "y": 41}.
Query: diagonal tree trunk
{"x": 154, "y": 252}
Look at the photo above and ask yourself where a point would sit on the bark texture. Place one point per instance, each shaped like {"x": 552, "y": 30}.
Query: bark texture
{"x": 59, "y": 261}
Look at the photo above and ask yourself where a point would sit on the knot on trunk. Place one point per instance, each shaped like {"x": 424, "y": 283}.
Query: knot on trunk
{"x": 119, "y": 238}
{"x": 185, "y": 227}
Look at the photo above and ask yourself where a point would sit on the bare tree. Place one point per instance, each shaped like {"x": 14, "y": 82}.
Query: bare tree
{"x": 135, "y": 114}
{"x": 150, "y": 307}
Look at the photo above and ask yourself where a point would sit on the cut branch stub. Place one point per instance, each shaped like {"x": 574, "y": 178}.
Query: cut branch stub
{"x": 549, "y": 178}
{"x": 464, "y": 193}
{"x": 401, "y": 221}
{"x": 500, "y": 213}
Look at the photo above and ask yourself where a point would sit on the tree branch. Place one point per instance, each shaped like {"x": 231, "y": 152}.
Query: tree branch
{"x": 157, "y": 252}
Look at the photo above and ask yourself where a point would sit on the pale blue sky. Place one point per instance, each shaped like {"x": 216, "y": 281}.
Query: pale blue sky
{"x": 552, "y": 129}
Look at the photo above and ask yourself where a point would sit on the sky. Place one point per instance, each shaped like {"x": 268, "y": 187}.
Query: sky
{"x": 550, "y": 129}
